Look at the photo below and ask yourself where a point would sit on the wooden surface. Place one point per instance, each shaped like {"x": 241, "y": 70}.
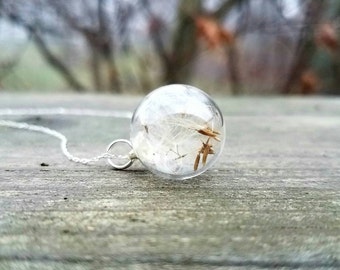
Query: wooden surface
{"x": 273, "y": 200}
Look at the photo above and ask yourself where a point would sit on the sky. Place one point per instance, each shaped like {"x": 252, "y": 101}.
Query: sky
{"x": 14, "y": 34}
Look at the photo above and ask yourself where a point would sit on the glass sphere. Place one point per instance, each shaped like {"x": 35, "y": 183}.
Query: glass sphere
{"x": 177, "y": 131}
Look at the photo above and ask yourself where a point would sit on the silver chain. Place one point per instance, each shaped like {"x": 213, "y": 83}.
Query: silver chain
{"x": 57, "y": 134}
{"x": 64, "y": 111}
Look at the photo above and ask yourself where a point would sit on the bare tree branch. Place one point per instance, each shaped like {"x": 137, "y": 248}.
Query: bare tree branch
{"x": 226, "y": 7}
{"x": 58, "y": 65}
{"x": 155, "y": 29}
{"x": 7, "y": 67}
{"x": 100, "y": 42}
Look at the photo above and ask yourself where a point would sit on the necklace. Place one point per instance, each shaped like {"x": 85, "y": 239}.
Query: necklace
{"x": 177, "y": 132}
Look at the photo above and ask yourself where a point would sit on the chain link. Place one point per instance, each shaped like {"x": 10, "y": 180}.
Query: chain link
{"x": 57, "y": 134}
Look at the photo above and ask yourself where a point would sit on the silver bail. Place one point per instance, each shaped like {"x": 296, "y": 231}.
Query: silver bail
{"x": 130, "y": 157}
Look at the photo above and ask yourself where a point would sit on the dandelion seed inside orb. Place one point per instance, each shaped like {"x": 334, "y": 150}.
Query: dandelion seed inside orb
{"x": 177, "y": 131}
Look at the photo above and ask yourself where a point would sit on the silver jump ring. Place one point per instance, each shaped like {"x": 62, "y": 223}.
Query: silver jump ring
{"x": 131, "y": 155}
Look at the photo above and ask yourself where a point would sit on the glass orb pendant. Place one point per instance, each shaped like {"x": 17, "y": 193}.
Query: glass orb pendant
{"x": 177, "y": 132}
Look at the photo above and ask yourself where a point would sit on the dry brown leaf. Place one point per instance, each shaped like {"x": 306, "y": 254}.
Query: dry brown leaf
{"x": 212, "y": 32}
{"x": 309, "y": 82}
{"x": 326, "y": 36}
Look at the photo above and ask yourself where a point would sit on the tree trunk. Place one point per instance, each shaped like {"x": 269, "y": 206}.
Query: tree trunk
{"x": 184, "y": 45}
{"x": 334, "y": 88}
{"x": 234, "y": 71}
{"x": 105, "y": 44}
{"x": 306, "y": 46}
{"x": 96, "y": 70}
{"x": 231, "y": 49}
{"x": 112, "y": 75}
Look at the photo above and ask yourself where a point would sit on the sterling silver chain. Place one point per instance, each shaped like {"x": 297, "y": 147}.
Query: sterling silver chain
{"x": 59, "y": 135}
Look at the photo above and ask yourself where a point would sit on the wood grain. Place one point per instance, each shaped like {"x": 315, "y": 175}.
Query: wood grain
{"x": 273, "y": 200}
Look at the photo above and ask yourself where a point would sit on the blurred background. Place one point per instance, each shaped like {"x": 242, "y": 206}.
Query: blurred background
{"x": 232, "y": 47}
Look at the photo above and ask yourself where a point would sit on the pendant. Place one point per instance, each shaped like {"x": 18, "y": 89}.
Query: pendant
{"x": 177, "y": 132}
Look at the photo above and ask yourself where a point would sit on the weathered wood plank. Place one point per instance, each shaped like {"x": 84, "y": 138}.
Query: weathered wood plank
{"x": 272, "y": 201}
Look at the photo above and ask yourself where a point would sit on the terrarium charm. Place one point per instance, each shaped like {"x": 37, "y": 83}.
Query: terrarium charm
{"x": 177, "y": 132}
